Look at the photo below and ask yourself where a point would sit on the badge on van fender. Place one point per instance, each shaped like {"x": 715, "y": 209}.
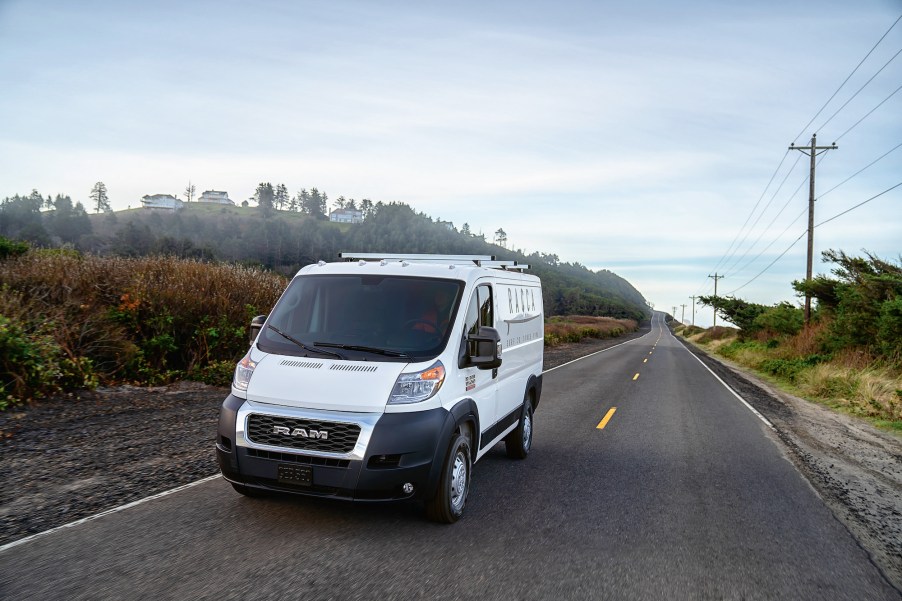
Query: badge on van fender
{"x": 470, "y": 382}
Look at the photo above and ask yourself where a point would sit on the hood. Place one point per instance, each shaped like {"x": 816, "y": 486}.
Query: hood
{"x": 360, "y": 386}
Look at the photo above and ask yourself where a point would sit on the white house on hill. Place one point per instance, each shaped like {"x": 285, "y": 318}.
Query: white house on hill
{"x": 346, "y": 216}
{"x": 161, "y": 201}
{"x": 216, "y": 197}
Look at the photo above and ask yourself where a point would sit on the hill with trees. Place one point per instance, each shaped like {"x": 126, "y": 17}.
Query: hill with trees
{"x": 283, "y": 234}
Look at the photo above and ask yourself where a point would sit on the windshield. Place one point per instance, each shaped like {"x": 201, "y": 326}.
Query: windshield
{"x": 369, "y": 317}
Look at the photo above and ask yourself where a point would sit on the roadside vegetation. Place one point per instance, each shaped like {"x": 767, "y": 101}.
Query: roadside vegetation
{"x": 575, "y": 328}
{"x": 850, "y": 355}
{"x": 70, "y": 321}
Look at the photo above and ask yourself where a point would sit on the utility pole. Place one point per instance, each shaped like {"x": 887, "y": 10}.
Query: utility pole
{"x": 812, "y": 152}
{"x": 693, "y": 309}
{"x": 683, "y": 314}
{"x": 716, "y": 277}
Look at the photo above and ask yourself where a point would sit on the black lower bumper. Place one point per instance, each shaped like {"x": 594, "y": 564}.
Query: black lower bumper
{"x": 404, "y": 449}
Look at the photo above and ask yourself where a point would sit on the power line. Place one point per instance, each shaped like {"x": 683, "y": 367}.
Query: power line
{"x": 794, "y": 242}
{"x": 860, "y": 170}
{"x": 772, "y": 221}
{"x": 760, "y": 198}
{"x": 772, "y": 242}
{"x": 847, "y": 79}
{"x": 858, "y": 205}
{"x": 824, "y": 124}
{"x": 764, "y": 210}
{"x": 868, "y": 114}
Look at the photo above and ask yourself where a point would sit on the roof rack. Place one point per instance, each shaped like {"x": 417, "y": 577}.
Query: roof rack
{"x": 479, "y": 260}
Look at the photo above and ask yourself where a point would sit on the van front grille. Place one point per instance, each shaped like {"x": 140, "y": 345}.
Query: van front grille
{"x": 302, "y": 434}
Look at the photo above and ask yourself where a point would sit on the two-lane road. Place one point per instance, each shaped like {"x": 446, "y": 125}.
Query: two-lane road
{"x": 648, "y": 479}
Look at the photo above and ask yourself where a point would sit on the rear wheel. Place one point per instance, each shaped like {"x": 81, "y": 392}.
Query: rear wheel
{"x": 519, "y": 442}
{"x": 451, "y": 496}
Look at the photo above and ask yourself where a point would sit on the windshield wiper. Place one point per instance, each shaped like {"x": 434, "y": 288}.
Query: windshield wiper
{"x": 367, "y": 349}
{"x": 301, "y": 344}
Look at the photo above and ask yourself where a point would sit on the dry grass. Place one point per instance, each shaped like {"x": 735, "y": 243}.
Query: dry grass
{"x": 141, "y": 319}
{"x": 573, "y": 328}
{"x": 851, "y": 380}
{"x": 870, "y": 392}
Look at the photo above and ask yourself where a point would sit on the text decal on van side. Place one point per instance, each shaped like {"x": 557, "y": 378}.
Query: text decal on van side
{"x": 470, "y": 382}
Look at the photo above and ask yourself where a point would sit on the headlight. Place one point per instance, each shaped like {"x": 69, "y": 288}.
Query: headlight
{"x": 419, "y": 386}
{"x": 243, "y": 372}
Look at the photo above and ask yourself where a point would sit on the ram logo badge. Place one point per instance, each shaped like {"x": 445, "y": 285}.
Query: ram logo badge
{"x": 302, "y": 432}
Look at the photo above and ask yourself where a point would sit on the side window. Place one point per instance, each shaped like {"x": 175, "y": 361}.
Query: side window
{"x": 471, "y": 325}
{"x": 480, "y": 312}
{"x": 486, "y": 315}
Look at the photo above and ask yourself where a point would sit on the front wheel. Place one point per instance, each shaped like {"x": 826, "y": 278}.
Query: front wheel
{"x": 451, "y": 496}
{"x": 519, "y": 442}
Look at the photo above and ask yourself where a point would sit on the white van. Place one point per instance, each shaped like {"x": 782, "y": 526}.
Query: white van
{"x": 386, "y": 377}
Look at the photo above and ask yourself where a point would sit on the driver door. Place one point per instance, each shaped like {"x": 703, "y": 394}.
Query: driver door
{"x": 480, "y": 384}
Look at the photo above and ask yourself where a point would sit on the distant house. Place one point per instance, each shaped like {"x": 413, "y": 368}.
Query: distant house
{"x": 447, "y": 224}
{"x": 216, "y": 197}
{"x": 346, "y": 216}
{"x": 161, "y": 201}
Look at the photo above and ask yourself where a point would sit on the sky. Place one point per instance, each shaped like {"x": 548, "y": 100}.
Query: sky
{"x": 647, "y": 138}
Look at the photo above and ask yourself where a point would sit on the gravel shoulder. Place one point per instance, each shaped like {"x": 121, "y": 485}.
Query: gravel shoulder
{"x": 854, "y": 467}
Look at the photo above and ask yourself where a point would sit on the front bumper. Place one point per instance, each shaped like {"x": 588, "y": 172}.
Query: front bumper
{"x": 393, "y": 449}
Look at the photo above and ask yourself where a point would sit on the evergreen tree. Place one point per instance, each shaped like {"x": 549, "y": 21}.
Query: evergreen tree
{"x": 465, "y": 230}
{"x": 265, "y": 195}
{"x": 501, "y": 238}
{"x": 281, "y": 197}
{"x": 366, "y": 205}
{"x": 100, "y": 198}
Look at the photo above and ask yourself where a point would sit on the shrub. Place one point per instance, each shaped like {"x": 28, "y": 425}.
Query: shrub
{"x": 783, "y": 319}
{"x": 561, "y": 329}
{"x": 148, "y": 320}
{"x": 11, "y": 248}
{"x": 33, "y": 365}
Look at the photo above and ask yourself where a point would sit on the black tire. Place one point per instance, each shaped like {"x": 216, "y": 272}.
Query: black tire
{"x": 248, "y": 491}
{"x": 518, "y": 443}
{"x": 447, "y": 505}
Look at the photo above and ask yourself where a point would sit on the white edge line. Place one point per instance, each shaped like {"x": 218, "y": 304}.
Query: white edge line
{"x": 725, "y": 385}
{"x": 595, "y": 353}
{"x": 159, "y": 495}
{"x": 650, "y": 330}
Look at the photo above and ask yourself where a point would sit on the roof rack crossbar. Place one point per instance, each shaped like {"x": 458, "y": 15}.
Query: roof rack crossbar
{"x": 479, "y": 260}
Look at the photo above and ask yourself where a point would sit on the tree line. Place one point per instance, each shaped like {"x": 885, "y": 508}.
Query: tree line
{"x": 283, "y": 234}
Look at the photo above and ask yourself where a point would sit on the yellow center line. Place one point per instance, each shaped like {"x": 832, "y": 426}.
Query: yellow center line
{"x": 607, "y": 418}
{"x": 636, "y": 377}
{"x": 649, "y": 352}
{"x": 645, "y": 360}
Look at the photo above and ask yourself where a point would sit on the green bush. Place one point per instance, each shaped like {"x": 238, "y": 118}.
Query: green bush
{"x": 32, "y": 365}
{"x": 216, "y": 373}
{"x": 889, "y": 329}
{"x": 783, "y": 319}
{"x": 789, "y": 369}
{"x": 11, "y": 248}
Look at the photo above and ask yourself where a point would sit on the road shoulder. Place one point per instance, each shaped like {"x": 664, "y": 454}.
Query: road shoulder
{"x": 854, "y": 467}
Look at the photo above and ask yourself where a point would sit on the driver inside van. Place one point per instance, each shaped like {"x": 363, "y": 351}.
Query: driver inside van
{"x": 435, "y": 315}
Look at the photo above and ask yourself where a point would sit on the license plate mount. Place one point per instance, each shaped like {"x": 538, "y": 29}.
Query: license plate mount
{"x": 301, "y": 475}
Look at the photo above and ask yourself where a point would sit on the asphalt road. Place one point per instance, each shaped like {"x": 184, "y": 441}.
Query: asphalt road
{"x": 683, "y": 494}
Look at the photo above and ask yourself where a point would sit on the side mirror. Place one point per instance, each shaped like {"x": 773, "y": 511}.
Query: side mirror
{"x": 484, "y": 348}
{"x": 256, "y": 326}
